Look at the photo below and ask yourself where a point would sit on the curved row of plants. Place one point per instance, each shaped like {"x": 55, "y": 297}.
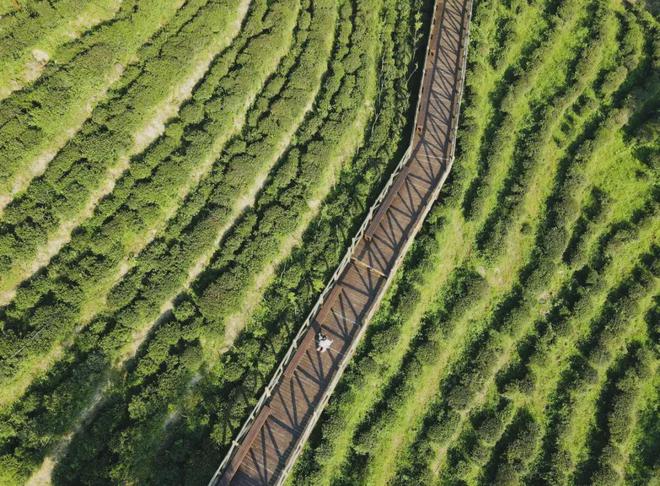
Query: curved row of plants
{"x": 153, "y": 384}
{"x": 268, "y": 121}
{"x": 37, "y": 121}
{"x": 36, "y": 223}
{"x": 72, "y": 365}
{"x": 31, "y": 34}
{"x": 331, "y": 94}
{"x": 80, "y": 277}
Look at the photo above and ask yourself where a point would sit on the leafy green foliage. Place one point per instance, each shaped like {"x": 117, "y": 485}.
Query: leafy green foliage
{"x": 517, "y": 344}
{"x": 506, "y": 390}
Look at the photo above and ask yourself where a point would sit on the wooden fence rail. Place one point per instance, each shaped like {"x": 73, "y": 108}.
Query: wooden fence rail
{"x": 271, "y": 438}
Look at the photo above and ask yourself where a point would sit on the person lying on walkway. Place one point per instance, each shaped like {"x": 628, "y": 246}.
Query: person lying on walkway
{"x": 323, "y": 343}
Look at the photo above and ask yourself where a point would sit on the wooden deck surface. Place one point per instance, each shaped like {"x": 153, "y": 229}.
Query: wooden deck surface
{"x": 281, "y": 425}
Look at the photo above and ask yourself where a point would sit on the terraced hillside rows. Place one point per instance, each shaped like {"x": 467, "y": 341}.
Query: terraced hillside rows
{"x": 179, "y": 180}
{"x": 169, "y": 177}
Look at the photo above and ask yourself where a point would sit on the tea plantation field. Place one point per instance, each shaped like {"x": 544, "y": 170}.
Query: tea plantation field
{"x": 180, "y": 178}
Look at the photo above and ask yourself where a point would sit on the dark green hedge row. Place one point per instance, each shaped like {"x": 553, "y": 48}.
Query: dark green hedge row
{"x": 645, "y": 444}
{"x": 31, "y": 118}
{"x": 510, "y": 316}
{"x": 151, "y": 386}
{"x": 574, "y": 296}
{"x": 592, "y": 213}
{"x": 572, "y": 299}
{"x": 536, "y": 132}
{"x": 31, "y": 35}
{"x": 464, "y": 287}
{"x": 293, "y": 83}
{"x": 138, "y": 203}
{"x": 24, "y": 23}
{"x": 83, "y": 164}
{"x": 512, "y": 453}
{"x": 614, "y": 417}
{"x": 479, "y": 437}
{"x": 576, "y": 293}
{"x": 255, "y": 239}
{"x": 551, "y": 240}
{"x": 500, "y": 124}
{"x": 460, "y": 388}
{"x": 592, "y": 351}
{"x": 580, "y": 75}
{"x": 61, "y": 393}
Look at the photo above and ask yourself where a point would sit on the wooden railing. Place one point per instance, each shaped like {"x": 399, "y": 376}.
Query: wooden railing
{"x": 346, "y": 260}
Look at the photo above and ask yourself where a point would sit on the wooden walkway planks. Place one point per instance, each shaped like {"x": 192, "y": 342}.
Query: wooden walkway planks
{"x": 275, "y": 432}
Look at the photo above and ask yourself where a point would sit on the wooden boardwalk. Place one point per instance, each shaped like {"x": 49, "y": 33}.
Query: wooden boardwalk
{"x": 274, "y": 434}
